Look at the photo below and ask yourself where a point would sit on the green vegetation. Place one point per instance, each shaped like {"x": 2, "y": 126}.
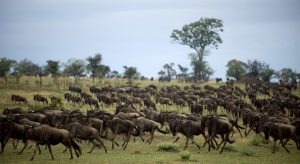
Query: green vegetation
{"x": 167, "y": 146}
{"x": 185, "y": 155}
{"x": 247, "y": 152}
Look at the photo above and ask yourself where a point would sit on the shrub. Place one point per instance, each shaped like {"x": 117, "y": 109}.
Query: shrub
{"x": 247, "y": 152}
{"x": 256, "y": 141}
{"x": 185, "y": 155}
{"x": 229, "y": 148}
{"x": 167, "y": 146}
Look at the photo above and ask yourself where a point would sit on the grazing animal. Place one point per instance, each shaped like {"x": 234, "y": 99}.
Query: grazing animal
{"x": 40, "y": 98}
{"x": 216, "y": 126}
{"x": 19, "y": 99}
{"x": 146, "y": 125}
{"x": 46, "y": 135}
{"x": 119, "y": 126}
{"x": 85, "y": 133}
{"x": 278, "y": 131}
{"x": 149, "y": 104}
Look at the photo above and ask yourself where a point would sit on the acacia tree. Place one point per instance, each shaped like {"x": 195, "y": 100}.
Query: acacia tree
{"x": 199, "y": 36}
{"x": 169, "y": 70}
{"x": 130, "y": 73}
{"x": 202, "y": 71}
{"x": 52, "y": 68}
{"x": 236, "y": 69}
{"x": 75, "y": 68}
{"x": 267, "y": 74}
{"x": 183, "y": 71}
{"x": 287, "y": 75}
{"x": 93, "y": 65}
{"x": 5, "y": 66}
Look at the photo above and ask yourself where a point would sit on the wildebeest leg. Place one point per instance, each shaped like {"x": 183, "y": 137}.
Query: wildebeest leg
{"x": 192, "y": 139}
{"x": 222, "y": 137}
{"x": 65, "y": 149}
{"x": 98, "y": 139}
{"x": 176, "y": 139}
{"x": 248, "y": 132}
{"x": 151, "y": 137}
{"x": 283, "y": 145}
{"x": 15, "y": 145}
{"x": 223, "y": 147}
{"x": 94, "y": 145}
{"x": 34, "y": 152}
{"x": 25, "y": 145}
{"x": 274, "y": 146}
{"x": 50, "y": 151}
{"x": 71, "y": 153}
{"x": 113, "y": 141}
{"x": 186, "y": 143}
{"x": 39, "y": 149}
{"x": 127, "y": 141}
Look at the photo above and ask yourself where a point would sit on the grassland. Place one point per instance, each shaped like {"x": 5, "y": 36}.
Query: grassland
{"x": 136, "y": 152}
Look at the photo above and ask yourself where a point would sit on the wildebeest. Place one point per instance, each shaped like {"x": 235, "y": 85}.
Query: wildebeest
{"x": 188, "y": 128}
{"x": 46, "y": 135}
{"x": 74, "y": 89}
{"x": 146, "y": 125}
{"x": 278, "y": 131}
{"x": 40, "y": 98}
{"x": 18, "y": 98}
{"x": 119, "y": 126}
{"x": 149, "y": 104}
{"x": 84, "y": 133}
{"x": 217, "y": 126}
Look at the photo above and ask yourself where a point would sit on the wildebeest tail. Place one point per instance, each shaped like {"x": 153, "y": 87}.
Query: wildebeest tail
{"x": 76, "y": 147}
{"x": 162, "y": 131}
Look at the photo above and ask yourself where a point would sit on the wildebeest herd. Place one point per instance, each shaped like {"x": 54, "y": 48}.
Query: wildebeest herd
{"x": 270, "y": 109}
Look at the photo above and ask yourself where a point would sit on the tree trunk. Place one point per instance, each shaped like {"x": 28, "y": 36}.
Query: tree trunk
{"x": 41, "y": 82}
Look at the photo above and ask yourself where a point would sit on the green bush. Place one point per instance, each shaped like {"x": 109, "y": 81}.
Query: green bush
{"x": 167, "y": 146}
{"x": 256, "y": 141}
{"x": 185, "y": 155}
{"x": 247, "y": 152}
{"x": 229, "y": 148}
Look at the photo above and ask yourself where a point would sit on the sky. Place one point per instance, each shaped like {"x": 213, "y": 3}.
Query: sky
{"x": 137, "y": 33}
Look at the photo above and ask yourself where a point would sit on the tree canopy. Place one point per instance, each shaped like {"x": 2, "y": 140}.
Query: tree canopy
{"x": 75, "y": 67}
{"x": 199, "y": 36}
{"x": 130, "y": 72}
{"x": 236, "y": 69}
{"x": 94, "y": 64}
{"x": 5, "y": 66}
{"x": 52, "y": 67}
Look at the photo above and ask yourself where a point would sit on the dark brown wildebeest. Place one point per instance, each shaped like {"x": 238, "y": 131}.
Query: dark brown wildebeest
{"x": 149, "y": 104}
{"x": 216, "y": 126}
{"x": 278, "y": 131}
{"x": 36, "y": 117}
{"x": 76, "y": 99}
{"x": 94, "y": 89}
{"x": 8, "y": 111}
{"x": 10, "y": 129}
{"x": 146, "y": 125}
{"x": 91, "y": 101}
{"x": 19, "y": 99}
{"x": 85, "y": 133}
{"x": 164, "y": 101}
{"x": 180, "y": 103}
{"x": 39, "y": 98}
{"x": 74, "y": 89}
{"x": 119, "y": 126}
{"x": 46, "y": 135}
